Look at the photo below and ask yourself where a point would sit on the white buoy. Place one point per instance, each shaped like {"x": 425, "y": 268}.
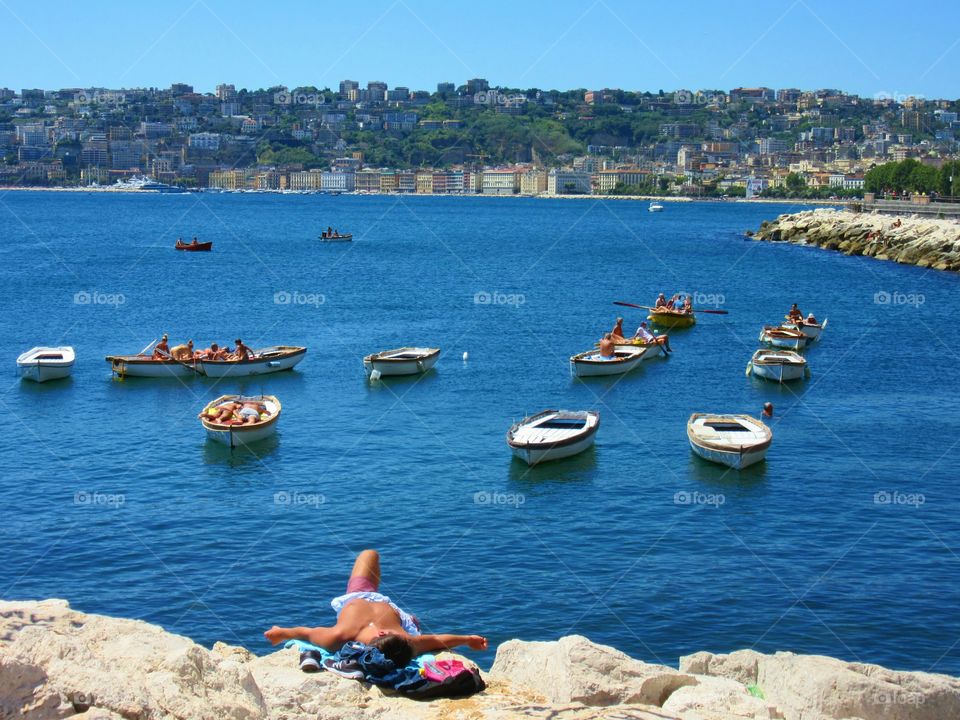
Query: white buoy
{"x": 374, "y": 375}
{"x": 466, "y": 356}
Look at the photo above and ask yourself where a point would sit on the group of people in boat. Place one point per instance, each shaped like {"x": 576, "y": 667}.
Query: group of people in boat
{"x": 248, "y": 412}
{"x": 193, "y": 243}
{"x": 796, "y": 316}
{"x": 186, "y": 353}
{"x": 330, "y": 233}
{"x": 643, "y": 336}
{"x": 677, "y": 304}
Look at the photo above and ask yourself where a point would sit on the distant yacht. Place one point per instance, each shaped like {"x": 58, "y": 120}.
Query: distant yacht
{"x": 145, "y": 183}
{"x": 655, "y": 207}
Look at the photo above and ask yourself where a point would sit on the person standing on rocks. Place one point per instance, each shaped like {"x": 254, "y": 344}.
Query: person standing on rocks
{"x": 365, "y": 615}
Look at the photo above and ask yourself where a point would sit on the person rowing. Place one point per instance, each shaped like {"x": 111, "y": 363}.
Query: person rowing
{"x": 241, "y": 351}
{"x": 366, "y": 615}
{"x": 643, "y": 333}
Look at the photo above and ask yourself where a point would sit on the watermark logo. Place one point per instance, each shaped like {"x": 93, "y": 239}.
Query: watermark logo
{"x": 700, "y": 299}
{"x": 295, "y": 498}
{"x": 495, "y": 97}
{"x": 684, "y": 497}
{"x": 884, "y": 297}
{"x": 85, "y": 297}
{"x": 499, "y": 298}
{"x": 95, "y": 97}
{"x": 884, "y": 97}
{"x": 285, "y": 97}
{"x": 98, "y": 499}
{"x": 294, "y": 297}
{"x": 685, "y": 97}
{"x": 894, "y": 497}
{"x": 898, "y": 696}
{"x": 485, "y": 497}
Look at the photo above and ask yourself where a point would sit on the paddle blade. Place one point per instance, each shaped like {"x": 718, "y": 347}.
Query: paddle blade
{"x": 714, "y": 312}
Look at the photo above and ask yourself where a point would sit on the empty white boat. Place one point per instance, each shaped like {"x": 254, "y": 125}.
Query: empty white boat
{"x": 225, "y": 419}
{"x": 553, "y": 434}
{"x": 625, "y": 358}
{"x": 736, "y": 441}
{"x": 778, "y": 365}
{"x": 655, "y": 207}
{"x": 46, "y": 363}
{"x": 401, "y": 361}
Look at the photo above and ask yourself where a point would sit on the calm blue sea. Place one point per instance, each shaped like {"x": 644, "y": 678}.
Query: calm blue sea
{"x": 845, "y": 542}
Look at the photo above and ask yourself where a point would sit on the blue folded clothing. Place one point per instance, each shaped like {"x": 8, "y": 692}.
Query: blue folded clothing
{"x": 376, "y": 668}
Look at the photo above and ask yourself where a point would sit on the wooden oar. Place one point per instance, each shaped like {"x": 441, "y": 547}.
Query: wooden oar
{"x": 181, "y": 362}
{"x": 647, "y": 307}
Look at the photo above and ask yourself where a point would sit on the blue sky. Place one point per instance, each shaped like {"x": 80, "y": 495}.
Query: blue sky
{"x": 867, "y": 48}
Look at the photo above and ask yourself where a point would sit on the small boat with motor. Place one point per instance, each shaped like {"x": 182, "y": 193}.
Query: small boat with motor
{"x": 553, "y": 434}
{"x": 194, "y": 246}
{"x": 778, "y": 365}
{"x": 401, "y": 361}
{"x": 46, "y": 363}
{"x": 736, "y": 441}
{"x": 335, "y": 236}
{"x": 655, "y": 207}
{"x": 234, "y": 420}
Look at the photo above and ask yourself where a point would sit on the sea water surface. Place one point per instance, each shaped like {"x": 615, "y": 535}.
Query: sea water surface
{"x": 844, "y": 542}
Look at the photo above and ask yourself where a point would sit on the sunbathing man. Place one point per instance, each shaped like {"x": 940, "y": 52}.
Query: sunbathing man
{"x": 250, "y": 412}
{"x": 365, "y": 615}
{"x": 221, "y": 413}
{"x": 162, "y": 349}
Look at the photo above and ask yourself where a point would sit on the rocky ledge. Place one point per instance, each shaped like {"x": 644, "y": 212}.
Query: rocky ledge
{"x": 911, "y": 240}
{"x": 59, "y": 663}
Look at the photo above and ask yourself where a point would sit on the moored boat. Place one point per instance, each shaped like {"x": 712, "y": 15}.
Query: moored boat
{"x": 225, "y": 422}
{"x": 336, "y": 237}
{"x": 591, "y": 363}
{"x": 46, "y": 363}
{"x": 672, "y": 318}
{"x": 811, "y": 329}
{"x": 553, "y": 434}
{"x": 194, "y": 246}
{"x": 655, "y": 348}
{"x": 736, "y": 441}
{"x": 655, "y": 207}
{"x": 401, "y": 361}
{"x": 782, "y": 337}
{"x": 778, "y": 365}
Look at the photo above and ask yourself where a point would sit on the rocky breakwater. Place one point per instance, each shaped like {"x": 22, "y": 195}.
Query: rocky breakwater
{"x": 910, "y": 240}
{"x": 59, "y": 663}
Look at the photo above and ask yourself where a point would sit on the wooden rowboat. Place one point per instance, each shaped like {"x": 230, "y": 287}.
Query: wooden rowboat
{"x": 261, "y": 362}
{"x": 736, "y": 441}
{"x": 336, "y": 238}
{"x": 401, "y": 361}
{"x": 591, "y": 363}
{"x": 191, "y": 247}
{"x": 553, "y": 434}
{"x": 232, "y": 432}
{"x": 46, "y": 363}
{"x": 784, "y": 338}
{"x": 811, "y": 330}
{"x": 778, "y": 365}
{"x": 672, "y": 318}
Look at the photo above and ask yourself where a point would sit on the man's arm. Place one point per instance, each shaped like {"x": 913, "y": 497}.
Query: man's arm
{"x": 331, "y": 639}
{"x": 431, "y": 643}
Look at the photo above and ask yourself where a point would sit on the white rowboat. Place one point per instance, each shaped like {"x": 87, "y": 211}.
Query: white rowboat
{"x": 46, "y": 363}
{"x": 736, "y": 441}
{"x": 655, "y": 207}
{"x": 784, "y": 338}
{"x": 778, "y": 365}
{"x": 233, "y": 435}
{"x": 401, "y": 361}
{"x": 553, "y": 434}
{"x": 262, "y": 361}
{"x": 811, "y": 330}
{"x": 591, "y": 363}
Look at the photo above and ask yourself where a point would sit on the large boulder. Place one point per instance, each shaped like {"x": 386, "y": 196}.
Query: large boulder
{"x": 813, "y": 687}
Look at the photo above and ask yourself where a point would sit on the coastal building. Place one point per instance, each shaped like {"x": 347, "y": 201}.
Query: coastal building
{"x": 226, "y": 92}
{"x": 568, "y": 182}
{"x": 367, "y": 181}
{"x": 500, "y": 182}
{"x": 350, "y": 90}
{"x": 337, "y": 181}
{"x": 446, "y": 88}
{"x": 306, "y": 180}
{"x": 227, "y": 179}
{"x": 476, "y": 85}
{"x": 533, "y": 182}
{"x": 376, "y": 91}
{"x": 424, "y": 183}
{"x": 388, "y": 181}
{"x": 406, "y": 182}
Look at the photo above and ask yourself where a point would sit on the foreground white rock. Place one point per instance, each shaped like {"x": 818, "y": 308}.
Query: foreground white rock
{"x": 58, "y": 663}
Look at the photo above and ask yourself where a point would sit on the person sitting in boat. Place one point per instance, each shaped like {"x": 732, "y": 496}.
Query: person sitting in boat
{"x": 162, "y": 349}
{"x": 795, "y": 314}
{"x": 661, "y": 302}
{"x": 617, "y": 333}
{"x": 687, "y": 306}
{"x": 214, "y": 352}
{"x": 182, "y": 352}
{"x": 608, "y": 349}
{"x": 329, "y": 232}
{"x": 241, "y": 351}
{"x": 365, "y": 615}
{"x": 194, "y": 242}
{"x": 811, "y": 320}
{"x": 250, "y": 412}
{"x": 643, "y": 333}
